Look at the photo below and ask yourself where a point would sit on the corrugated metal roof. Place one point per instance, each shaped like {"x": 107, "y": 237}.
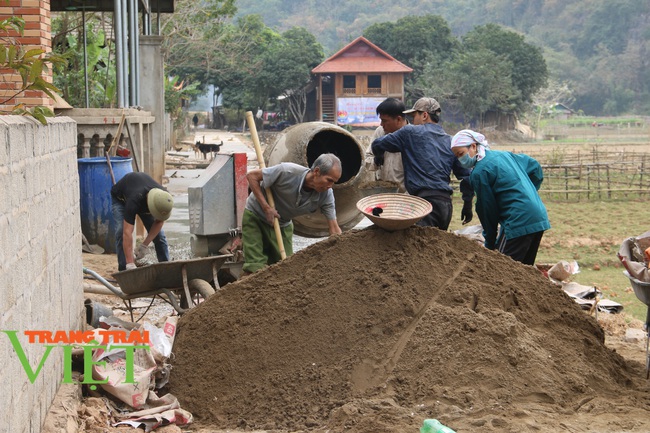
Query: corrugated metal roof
{"x": 154, "y": 6}
{"x": 361, "y": 55}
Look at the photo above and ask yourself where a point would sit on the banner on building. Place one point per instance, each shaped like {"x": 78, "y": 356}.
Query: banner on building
{"x": 357, "y": 111}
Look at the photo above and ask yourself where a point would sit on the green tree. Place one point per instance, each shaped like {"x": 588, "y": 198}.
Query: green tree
{"x": 198, "y": 44}
{"x": 608, "y": 26}
{"x": 178, "y": 95}
{"x": 529, "y": 72}
{"x": 286, "y": 69}
{"x": 472, "y": 83}
{"x": 100, "y": 64}
{"x": 248, "y": 86}
{"x": 413, "y": 40}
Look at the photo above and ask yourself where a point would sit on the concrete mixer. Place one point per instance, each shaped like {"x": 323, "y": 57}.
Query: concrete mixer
{"x": 302, "y": 144}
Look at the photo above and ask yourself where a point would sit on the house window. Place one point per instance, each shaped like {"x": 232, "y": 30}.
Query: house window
{"x": 374, "y": 83}
{"x": 349, "y": 84}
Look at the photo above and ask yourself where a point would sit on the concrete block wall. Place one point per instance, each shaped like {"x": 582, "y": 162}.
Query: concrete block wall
{"x": 41, "y": 269}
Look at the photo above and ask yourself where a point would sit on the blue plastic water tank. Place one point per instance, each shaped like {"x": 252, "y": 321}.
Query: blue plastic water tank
{"x": 95, "y": 198}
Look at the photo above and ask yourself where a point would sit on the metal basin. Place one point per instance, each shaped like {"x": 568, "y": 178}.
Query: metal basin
{"x": 641, "y": 289}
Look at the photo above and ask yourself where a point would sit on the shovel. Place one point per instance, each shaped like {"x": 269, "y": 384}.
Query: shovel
{"x": 92, "y": 249}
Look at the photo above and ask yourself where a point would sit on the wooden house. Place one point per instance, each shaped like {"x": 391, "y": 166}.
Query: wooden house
{"x": 352, "y": 82}
{"x": 559, "y": 111}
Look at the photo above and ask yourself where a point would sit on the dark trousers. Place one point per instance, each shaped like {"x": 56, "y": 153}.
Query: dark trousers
{"x": 160, "y": 241}
{"x": 523, "y": 248}
{"x": 440, "y": 215}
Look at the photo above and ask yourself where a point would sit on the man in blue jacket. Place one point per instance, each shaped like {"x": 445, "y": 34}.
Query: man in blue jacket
{"x": 506, "y": 186}
{"x": 428, "y": 163}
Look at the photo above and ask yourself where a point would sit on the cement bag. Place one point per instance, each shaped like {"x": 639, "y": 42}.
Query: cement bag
{"x": 131, "y": 390}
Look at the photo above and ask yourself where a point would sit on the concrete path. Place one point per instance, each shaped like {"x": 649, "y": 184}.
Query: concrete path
{"x": 232, "y": 143}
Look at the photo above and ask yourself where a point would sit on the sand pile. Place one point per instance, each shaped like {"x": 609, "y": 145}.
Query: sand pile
{"x": 374, "y": 331}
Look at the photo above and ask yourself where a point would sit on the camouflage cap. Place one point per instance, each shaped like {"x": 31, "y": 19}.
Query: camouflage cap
{"x": 428, "y": 105}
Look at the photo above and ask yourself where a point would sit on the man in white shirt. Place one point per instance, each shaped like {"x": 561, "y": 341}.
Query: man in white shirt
{"x": 390, "y": 169}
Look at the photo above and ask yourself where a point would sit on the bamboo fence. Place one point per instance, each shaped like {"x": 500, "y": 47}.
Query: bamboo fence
{"x": 595, "y": 175}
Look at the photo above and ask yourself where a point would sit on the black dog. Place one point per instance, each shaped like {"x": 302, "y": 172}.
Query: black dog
{"x": 208, "y": 148}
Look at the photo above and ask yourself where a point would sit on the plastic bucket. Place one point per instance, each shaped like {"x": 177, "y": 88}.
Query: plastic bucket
{"x": 95, "y": 198}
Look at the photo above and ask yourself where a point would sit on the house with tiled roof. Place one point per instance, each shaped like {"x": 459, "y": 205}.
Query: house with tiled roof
{"x": 352, "y": 82}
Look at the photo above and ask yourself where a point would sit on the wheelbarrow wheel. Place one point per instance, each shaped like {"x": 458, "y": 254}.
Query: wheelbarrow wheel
{"x": 198, "y": 289}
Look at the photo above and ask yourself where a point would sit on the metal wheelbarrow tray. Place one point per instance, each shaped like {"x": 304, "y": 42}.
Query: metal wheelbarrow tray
{"x": 169, "y": 275}
{"x": 169, "y": 278}
{"x": 642, "y": 291}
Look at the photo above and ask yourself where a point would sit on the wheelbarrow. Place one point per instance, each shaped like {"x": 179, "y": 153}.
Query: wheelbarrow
{"x": 642, "y": 291}
{"x": 181, "y": 282}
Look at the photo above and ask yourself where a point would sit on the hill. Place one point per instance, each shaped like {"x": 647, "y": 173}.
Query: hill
{"x": 598, "y": 47}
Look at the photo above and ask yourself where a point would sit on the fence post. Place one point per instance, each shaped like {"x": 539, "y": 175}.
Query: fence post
{"x": 641, "y": 176}
{"x": 566, "y": 182}
{"x": 598, "y": 178}
{"x": 588, "y": 182}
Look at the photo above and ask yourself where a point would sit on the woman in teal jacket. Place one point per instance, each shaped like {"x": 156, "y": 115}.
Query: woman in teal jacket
{"x": 506, "y": 186}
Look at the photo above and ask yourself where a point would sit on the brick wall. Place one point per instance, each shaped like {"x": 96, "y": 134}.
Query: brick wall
{"x": 37, "y": 34}
{"x": 40, "y": 258}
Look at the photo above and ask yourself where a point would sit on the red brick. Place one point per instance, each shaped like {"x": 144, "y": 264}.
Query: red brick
{"x": 32, "y": 41}
{"x": 36, "y": 26}
{"x": 27, "y": 11}
{"x": 12, "y": 77}
{"x": 32, "y": 94}
{"x": 13, "y": 34}
{"x": 6, "y": 89}
{"x": 33, "y": 101}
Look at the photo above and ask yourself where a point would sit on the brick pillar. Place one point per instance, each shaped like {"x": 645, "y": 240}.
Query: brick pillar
{"x": 37, "y": 34}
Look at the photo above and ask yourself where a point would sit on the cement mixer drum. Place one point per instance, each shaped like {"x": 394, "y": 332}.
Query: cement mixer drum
{"x": 302, "y": 144}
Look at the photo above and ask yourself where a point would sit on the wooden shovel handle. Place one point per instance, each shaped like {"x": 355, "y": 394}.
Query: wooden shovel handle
{"x": 269, "y": 194}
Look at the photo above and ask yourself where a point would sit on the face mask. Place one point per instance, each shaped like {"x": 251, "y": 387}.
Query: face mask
{"x": 467, "y": 161}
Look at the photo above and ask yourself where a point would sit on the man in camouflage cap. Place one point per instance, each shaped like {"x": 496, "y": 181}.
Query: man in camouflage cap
{"x": 428, "y": 163}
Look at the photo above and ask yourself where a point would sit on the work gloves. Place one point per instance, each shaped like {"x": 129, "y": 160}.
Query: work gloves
{"x": 379, "y": 160}
{"x": 130, "y": 266}
{"x": 142, "y": 250}
{"x": 466, "y": 214}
